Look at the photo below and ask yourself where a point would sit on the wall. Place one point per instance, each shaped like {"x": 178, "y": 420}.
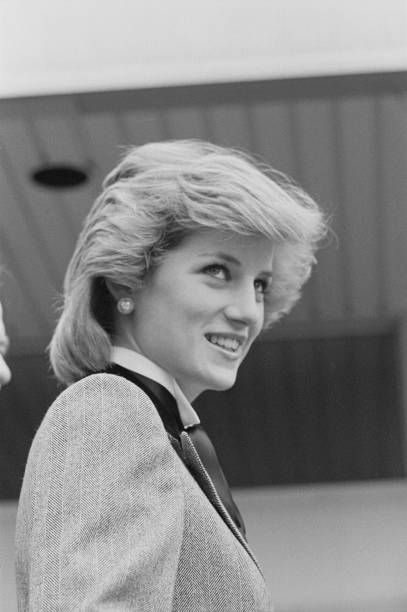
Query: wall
{"x": 331, "y": 548}
{"x": 52, "y": 46}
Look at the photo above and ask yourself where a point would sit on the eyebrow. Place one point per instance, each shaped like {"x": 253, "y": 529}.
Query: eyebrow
{"x": 233, "y": 260}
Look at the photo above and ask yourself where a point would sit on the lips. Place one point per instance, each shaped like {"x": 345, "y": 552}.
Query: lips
{"x": 228, "y": 342}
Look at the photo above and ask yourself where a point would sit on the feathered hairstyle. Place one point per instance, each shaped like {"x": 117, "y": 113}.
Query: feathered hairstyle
{"x": 159, "y": 193}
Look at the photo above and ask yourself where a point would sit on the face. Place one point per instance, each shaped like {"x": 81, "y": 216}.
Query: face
{"x": 5, "y": 373}
{"x": 200, "y": 310}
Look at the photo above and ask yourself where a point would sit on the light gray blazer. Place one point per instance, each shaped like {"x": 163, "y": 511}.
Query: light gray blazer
{"x": 111, "y": 519}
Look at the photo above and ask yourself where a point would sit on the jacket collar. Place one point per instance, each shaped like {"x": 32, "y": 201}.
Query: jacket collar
{"x": 136, "y": 362}
{"x": 162, "y": 399}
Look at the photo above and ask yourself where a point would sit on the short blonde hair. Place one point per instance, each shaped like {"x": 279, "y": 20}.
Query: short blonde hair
{"x": 159, "y": 193}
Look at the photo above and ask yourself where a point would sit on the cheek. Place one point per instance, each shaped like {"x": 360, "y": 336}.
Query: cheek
{"x": 193, "y": 307}
{"x": 187, "y": 324}
{"x": 178, "y": 312}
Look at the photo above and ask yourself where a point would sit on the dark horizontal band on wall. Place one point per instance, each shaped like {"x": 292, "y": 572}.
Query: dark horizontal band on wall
{"x": 286, "y": 330}
{"x": 329, "y": 329}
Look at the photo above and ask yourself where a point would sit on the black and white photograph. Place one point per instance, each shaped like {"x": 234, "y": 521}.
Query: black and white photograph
{"x": 203, "y": 306}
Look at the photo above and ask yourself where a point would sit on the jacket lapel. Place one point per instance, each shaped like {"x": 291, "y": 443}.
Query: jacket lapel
{"x": 201, "y": 475}
{"x": 166, "y": 407}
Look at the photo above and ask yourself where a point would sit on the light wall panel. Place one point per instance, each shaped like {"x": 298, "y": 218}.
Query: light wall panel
{"x": 142, "y": 126}
{"x": 186, "y": 122}
{"x": 358, "y": 163}
{"x": 102, "y": 132}
{"x": 271, "y": 128}
{"x": 392, "y": 108}
{"x": 317, "y": 148}
{"x": 229, "y": 125}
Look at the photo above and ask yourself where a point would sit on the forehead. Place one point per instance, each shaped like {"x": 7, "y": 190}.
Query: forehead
{"x": 256, "y": 249}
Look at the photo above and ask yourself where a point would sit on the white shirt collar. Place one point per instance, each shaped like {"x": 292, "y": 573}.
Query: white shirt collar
{"x": 137, "y": 362}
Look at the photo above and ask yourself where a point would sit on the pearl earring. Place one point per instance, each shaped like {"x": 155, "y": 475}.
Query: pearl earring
{"x": 125, "y": 305}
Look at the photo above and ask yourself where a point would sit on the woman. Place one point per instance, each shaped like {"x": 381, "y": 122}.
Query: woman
{"x": 189, "y": 252}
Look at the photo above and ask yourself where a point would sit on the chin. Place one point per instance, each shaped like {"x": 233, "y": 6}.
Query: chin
{"x": 221, "y": 383}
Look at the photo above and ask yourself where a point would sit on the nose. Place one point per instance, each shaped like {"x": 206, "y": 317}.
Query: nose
{"x": 5, "y": 374}
{"x": 244, "y": 307}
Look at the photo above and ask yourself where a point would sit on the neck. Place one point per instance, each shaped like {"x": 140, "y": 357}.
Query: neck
{"x": 126, "y": 340}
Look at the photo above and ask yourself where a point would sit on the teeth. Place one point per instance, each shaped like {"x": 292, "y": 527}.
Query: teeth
{"x": 229, "y": 344}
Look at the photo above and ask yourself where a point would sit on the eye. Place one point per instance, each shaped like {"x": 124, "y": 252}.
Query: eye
{"x": 261, "y": 286}
{"x": 217, "y": 271}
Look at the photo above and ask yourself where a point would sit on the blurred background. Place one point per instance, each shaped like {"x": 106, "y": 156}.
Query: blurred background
{"x": 313, "y": 435}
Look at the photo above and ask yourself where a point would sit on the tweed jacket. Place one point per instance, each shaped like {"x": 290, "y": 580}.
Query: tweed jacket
{"x": 110, "y": 518}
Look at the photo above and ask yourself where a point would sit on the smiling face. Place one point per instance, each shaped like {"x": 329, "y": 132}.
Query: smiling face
{"x": 5, "y": 373}
{"x": 200, "y": 310}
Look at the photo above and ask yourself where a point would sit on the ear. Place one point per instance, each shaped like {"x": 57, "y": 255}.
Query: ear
{"x": 117, "y": 291}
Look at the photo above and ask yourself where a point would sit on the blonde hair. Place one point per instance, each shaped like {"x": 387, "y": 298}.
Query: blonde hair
{"x": 159, "y": 193}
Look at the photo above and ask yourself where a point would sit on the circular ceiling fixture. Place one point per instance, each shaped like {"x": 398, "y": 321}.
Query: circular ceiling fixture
{"x": 61, "y": 176}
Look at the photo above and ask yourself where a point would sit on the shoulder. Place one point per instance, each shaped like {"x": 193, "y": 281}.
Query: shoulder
{"x": 97, "y": 385}
{"x": 100, "y": 388}
{"x": 104, "y": 421}
{"x": 104, "y": 398}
